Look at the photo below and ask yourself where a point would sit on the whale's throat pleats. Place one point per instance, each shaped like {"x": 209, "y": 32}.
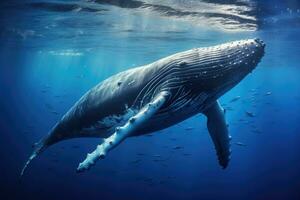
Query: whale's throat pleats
{"x": 181, "y": 94}
{"x": 190, "y": 76}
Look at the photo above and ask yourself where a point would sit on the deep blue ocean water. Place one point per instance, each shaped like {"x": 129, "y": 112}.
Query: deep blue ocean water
{"x": 52, "y": 52}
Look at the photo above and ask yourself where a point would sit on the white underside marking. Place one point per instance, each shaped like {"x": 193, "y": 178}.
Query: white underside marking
{"x": 111, "y": 121}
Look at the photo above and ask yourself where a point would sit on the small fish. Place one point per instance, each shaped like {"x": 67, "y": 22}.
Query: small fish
{"x": 235, "y": 99}
{"x": 54, "y": 112}
{"x": 171, "y": 177}
{"x": 111, "y": 171}
{"x": 136, "y": 161}
{"x": 148, "y": 179}
{"x": 30, "y": 126}
{"x": 228, "y": 108}
{"x": 157, "y": 155}
{"x": 256, "y": 131}
{"x": 250, "y": 114}
{"x": 240, "y": 144}
{"x": 268, "y": 93}
{"x": 178, "y": 147}
{"x": 49, "y": 106}
{"x": 149, "y": 135}
{"x": 54, "y": 154}
{"x": 189, "y": 128}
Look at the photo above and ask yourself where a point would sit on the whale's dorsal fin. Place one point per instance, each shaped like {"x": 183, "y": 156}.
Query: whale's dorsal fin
{"x": 217, "y": 127}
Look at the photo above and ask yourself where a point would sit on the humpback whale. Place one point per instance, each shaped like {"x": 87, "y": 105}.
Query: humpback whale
{"x": 156, "y": 96}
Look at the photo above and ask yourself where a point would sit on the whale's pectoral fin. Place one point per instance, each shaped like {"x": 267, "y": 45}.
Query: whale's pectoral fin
{"x": 218, "y": 131}
{"x": 123, "y": 132}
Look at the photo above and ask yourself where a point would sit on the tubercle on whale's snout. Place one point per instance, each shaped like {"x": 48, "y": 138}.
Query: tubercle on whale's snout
{"x": 259, "y": 47}
{"x": 260, "y": 42}
{"x": 259, "y": 51}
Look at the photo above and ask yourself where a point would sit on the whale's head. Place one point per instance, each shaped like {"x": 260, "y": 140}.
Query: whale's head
{"x": 220, "y": 68}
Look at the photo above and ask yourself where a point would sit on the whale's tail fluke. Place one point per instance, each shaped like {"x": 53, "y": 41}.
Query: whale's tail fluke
{"x": 52, "y": 137}
{"x": 38, "y": 148}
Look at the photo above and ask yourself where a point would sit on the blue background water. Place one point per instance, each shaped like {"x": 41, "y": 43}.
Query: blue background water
{"x": 52, "y": 53}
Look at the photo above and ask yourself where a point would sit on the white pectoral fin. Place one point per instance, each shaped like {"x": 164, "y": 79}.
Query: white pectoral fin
{"x": 218, "y": 131}
{"x": 123, "y": 132}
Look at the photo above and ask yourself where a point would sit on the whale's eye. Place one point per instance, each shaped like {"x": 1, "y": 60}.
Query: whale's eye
{"x": 182, "y": 63}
